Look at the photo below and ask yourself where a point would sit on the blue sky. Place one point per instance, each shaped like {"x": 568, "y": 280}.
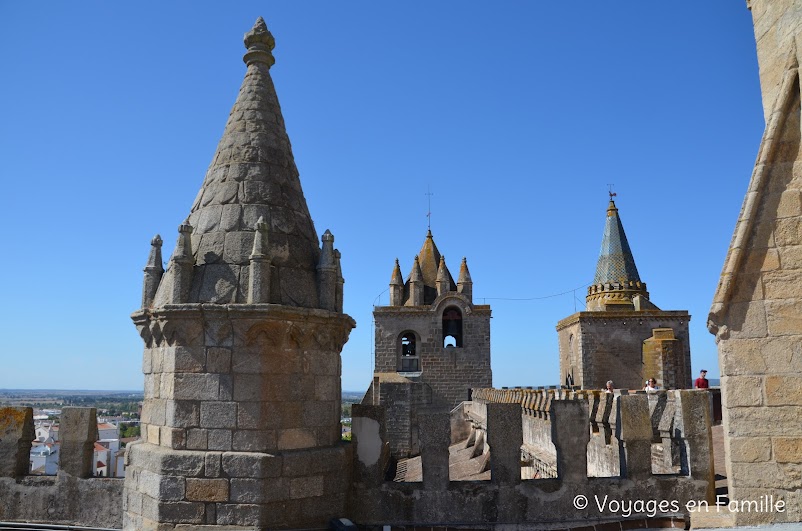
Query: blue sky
{"x": 516, "y": 114}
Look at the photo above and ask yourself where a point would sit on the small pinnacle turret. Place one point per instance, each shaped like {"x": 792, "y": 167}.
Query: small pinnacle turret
{"x": 415, "y": 284}
{"x": 442, "y": 280}
{"x": 396, "y": 286}
{"x": 327, "y": 273}
{"x": 464, "y": 282}
{"x": 181, "y": 265}
{"x": 259, "y": 277}
{"x": 153, "y": 272}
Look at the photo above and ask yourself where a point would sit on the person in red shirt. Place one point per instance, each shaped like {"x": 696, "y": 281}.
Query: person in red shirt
{"x": 701, "y": 382}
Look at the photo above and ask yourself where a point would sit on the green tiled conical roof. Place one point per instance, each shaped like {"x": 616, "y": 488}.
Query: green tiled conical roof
{"x": 616, "y": 263}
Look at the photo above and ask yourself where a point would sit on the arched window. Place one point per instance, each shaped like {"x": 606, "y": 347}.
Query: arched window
{"x": 408, "y": 359}
{"x": 452, "y": 327}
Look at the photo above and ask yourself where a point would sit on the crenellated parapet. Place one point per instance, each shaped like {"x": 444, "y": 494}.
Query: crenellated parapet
{"x": 73, "y": 496}
{"x": 612, "y": 291}
{"x": 499, "y": 420}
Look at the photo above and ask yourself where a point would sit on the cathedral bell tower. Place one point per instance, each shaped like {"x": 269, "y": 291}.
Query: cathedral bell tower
{"x": 432, "y": 344}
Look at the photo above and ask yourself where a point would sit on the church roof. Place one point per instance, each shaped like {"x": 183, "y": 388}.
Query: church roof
{"x": 616, "y": 263}
{"x": 252, "y": 175}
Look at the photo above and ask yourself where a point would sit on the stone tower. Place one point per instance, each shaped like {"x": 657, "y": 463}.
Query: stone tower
{"x": 757, "y": 310}
{"x": 622, "y": 336}
{"x": 243, "y": 333}
{"x": 432, "y": 344}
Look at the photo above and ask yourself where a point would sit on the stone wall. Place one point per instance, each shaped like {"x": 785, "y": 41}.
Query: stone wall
{"x": 72, "y": 497}
{"x": 241, "y": 418}
{"x": 449, "y": 371}
{"x": 601, "y": 346}
{"x": 402, "y": 398}
{"x": 756, "y": 310}
{"x": 509, "y": 500}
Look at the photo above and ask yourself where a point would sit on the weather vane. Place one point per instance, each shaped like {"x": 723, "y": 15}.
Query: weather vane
{"x": 610, "y": 191}
{"x": 429, "y": 212}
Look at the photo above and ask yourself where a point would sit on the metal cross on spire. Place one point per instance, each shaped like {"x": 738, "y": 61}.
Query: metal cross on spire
{"x": 429, "y": 195}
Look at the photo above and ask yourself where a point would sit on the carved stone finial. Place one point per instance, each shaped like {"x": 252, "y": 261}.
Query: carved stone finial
{"x": 183, "y": 249}
{"x": 156, "y": 241}
{"x": 260, "y": 43}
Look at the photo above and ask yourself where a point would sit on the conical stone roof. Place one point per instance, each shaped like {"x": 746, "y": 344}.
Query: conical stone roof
{"x": 429, "y": 259}
{"x": 252, "y": 176}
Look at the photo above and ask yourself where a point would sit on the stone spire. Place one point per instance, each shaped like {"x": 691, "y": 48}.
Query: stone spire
{"x": 253, "y": 176}
{"x": 429, "y": 258}
{"x": 153, "y": 272}
{"x": 396, "y": 286}
{"x": 464, "y": 282}
{"x": 617, "y": 280}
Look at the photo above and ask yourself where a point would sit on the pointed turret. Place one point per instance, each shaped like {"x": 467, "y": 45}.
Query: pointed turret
{"x": 415, "y": 285}
{"x": 327, "y": 273}
{"x": 339, "y": 291}
{"x": 617, "y": 281}
{"x": 396, "y": 286}
{"x": 180, "y": 266}
{"x": 153, "y": 272}
{"x": 259, "y": 277}
{"x": 464, "y": 282}
{"x": 253, "y": 175}
{"x": 442, "y": 280}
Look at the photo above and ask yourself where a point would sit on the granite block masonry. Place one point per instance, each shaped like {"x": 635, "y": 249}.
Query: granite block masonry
{"x": 243, "y": 334}
{"x": 755, "y": 314}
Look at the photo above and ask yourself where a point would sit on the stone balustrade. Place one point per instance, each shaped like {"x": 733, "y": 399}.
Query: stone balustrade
{"x": 73, "y": 496}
